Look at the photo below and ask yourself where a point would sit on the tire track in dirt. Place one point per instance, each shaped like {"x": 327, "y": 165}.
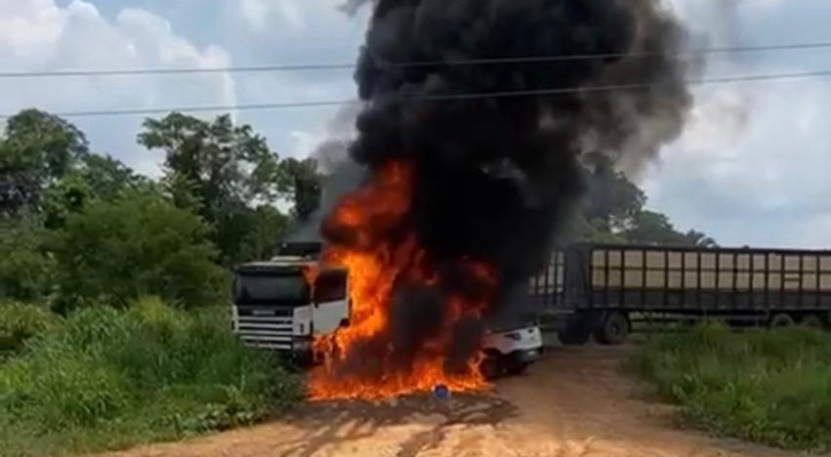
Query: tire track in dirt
{"x": 573, "y": 404}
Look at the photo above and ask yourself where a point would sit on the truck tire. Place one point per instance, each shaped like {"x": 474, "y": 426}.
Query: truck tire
{"x": 781, "y": 320}
{"x": 614, "y": 330}
{"x": 813, "y": 321}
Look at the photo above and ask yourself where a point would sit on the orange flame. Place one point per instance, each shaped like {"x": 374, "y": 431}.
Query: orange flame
{"x": 358, "y": 357}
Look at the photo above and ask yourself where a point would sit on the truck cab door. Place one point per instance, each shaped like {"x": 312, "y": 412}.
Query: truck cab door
{"x": 331, "y": 302}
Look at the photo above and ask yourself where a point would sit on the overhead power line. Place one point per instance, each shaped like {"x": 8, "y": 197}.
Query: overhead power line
{"x": 440, "y": 98}
{"x": 426, "y": 63}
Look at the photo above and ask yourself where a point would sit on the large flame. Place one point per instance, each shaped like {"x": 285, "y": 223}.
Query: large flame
{"x": 374, "y": 243}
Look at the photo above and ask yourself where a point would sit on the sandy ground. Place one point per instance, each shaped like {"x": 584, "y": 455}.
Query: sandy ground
{"x": 574, "y": 403}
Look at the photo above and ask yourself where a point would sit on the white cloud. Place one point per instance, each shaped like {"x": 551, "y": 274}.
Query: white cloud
{"x": 751, "y": 166}
{"x": 292, "y": 13}
{"x": 40, "y": 35}
{"x": 758, "y": 183}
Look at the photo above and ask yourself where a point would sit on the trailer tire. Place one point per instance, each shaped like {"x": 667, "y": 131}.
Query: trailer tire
{"x": 614, "y": 330}
{"x": 813, "y": 321}
{"x": 781, "y": 320}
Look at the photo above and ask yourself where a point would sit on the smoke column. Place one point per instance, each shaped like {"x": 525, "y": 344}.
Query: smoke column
{"x": 493, "y": 177}
{"x": 509, "y": 218}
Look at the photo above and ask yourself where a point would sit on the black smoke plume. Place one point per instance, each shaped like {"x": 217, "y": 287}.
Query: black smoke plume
{"x": 495, "y": 176}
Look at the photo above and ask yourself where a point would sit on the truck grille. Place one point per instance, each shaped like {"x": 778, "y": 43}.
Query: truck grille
{"x": 267, "y": 328}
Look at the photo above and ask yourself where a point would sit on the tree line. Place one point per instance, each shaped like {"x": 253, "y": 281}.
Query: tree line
{"x": 79, "y": 226}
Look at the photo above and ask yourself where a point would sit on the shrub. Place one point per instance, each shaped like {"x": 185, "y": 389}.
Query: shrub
{"x": 771, "y": 387}
{"x": 139, "y": 243}
{"x": 21, "y": 321}
{"x": 110, "y": 378}
{"x": 26, "y": 270}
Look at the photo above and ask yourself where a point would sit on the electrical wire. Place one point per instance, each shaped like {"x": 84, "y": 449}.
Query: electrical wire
{"x": 381, "y": 62}
{"x": 438, "y": 98}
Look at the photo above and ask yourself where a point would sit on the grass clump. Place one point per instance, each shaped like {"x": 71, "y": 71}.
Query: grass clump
{"x": 107, "y": 379}
{"x": 21, "y": 321}
{"x": 772, "y": 387}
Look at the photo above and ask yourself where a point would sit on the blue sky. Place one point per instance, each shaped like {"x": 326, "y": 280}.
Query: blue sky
{"x": 752, "y": 166}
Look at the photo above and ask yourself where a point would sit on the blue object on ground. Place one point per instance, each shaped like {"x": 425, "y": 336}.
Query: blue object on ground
{"x": 441, "y": 391}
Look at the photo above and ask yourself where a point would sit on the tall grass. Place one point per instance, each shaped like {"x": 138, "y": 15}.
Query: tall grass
{"x": 107, "y": 379}
{"x": 770, "y": 387}
{"x": 21, "y": 321}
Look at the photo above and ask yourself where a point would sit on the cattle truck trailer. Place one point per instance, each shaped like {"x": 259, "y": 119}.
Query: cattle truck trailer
{"x": 600, "y": 290}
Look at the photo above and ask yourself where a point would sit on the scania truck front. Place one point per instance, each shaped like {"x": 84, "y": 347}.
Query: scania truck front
{"x": 281, "y": 304}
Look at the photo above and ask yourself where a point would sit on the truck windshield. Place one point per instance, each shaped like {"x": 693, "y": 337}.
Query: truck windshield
{"x": 285, "y": 290}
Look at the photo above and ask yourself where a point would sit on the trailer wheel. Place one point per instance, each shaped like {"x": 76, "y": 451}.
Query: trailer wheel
{"x": 781, "y": 320}
{"x": 812, "y": 321}
{"x": 614, "y": 330}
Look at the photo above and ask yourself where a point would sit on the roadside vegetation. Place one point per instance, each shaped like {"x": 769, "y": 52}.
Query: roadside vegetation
{"x": 114, "y": 286}
{"x": 771, "y": 387}
{"x": 104, "y": 378}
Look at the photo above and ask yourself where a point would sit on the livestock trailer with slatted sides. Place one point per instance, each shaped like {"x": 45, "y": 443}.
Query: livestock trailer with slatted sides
{"x": 601, "y": 290}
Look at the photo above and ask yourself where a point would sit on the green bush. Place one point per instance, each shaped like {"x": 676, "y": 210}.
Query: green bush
{"x": 26, "y": 269}
{"x": 109, "y": 378}
{"x": 770, "y": 387}
{"x": 21, "y": 321}
{"x": 138, "y": 244}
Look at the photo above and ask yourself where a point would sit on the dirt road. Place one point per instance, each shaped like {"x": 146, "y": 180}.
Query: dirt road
{"x": 574, "y": 403}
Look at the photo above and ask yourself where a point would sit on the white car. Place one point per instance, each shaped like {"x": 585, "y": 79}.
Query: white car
{"x": 510, "y": 352}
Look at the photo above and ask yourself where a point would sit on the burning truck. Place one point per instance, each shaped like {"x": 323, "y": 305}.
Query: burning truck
{"x": 289, "y": 302}
{"x": 475, "y": 117}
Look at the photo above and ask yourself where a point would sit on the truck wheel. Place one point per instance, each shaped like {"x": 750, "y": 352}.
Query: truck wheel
{"x": 812, "y": 321}
{"x": 614, "y": 330}
{"x": 781, "y": 320}
{"x": 491, "y": 367}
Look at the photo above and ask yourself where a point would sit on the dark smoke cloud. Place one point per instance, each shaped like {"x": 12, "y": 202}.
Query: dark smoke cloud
{"x": 494, "y": 177}
{"x": 339, "y": 173}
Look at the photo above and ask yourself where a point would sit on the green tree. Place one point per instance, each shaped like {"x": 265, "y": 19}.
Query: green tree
{"x": 26, "y": 267}
{"x": 651, "y": 227}
{"x": 219, "y": 169}
{"x": 36, "y": 149}
{"x": 107, "y": 176}
{"x": 94, "y": 177}
{"x": 613, "y": 201}
{"x": 265, "y": 226}
{"x": 613, "y": 212}
{"x": 301, "y": 180}
{"x": 137, "y": 244}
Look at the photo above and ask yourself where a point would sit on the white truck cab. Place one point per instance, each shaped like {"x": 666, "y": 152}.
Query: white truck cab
{"x": 283, "y": 303}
